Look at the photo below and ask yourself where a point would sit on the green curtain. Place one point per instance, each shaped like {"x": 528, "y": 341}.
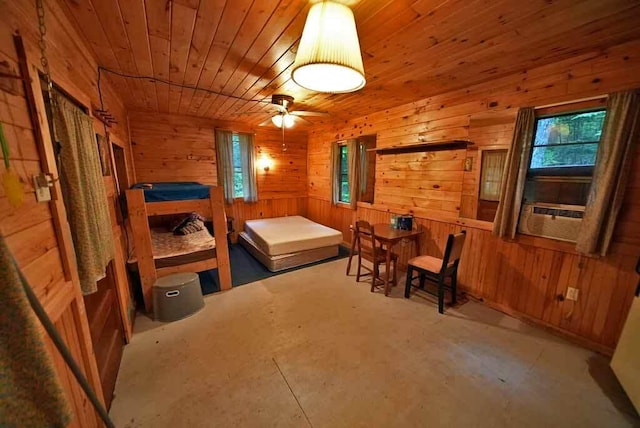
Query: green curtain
{"x": 84, "y": 193}
{"x": 30, "y": 394}
{"x": 353, "y": 155}
{"x": 515, "y": 172}
{"x": 248, "y": 159}
{"x": 224, "y": 160}
{"x": 620, "y": 134}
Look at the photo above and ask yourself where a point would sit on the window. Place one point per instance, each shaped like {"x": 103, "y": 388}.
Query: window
{"x": 352, "y": 170}
{"x": 563, "y": 156}
{"x": 344, "y": 175}
{"x": 238, "y": 188}
{"x": 491, "y": 174}
{"x": 235, "y": 156}
{"x": 566, "y": 144}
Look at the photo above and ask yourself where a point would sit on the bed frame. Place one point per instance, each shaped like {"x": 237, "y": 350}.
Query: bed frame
{"x": 139, "y": 211}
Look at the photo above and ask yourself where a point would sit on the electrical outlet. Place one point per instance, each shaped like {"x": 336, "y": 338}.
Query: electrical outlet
{"x": 572, "y": 293}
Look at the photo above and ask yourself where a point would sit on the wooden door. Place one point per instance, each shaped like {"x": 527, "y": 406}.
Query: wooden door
{"x": 106, "y": 330}
{"x": 102, "y": 307}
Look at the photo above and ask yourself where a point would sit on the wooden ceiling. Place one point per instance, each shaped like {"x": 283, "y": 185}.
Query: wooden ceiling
{"x": 412, "y": 49}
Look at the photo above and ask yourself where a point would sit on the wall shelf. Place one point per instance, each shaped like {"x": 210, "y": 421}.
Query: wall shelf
{"x": 423, "y": 147}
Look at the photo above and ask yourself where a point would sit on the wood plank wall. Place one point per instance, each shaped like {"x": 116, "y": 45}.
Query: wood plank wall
{"x": 182, "y": 148}
{"x": 29, "y": 229}
{"x": 522, "y": 277}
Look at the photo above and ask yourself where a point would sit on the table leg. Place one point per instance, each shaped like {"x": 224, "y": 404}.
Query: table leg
{"x": 386, "y": 271}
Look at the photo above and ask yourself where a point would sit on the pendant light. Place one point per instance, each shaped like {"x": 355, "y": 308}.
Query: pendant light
{"x": 328, "y": 57}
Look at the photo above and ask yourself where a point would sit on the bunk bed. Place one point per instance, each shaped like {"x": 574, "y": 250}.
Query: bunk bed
{"x": 285, "y": 242}
{"x": 159, "y": 253}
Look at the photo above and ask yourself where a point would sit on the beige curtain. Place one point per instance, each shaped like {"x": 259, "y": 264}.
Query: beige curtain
{"x": 248, "y": 160}
{"x": 513, "y": 177}
{"x": 224, "y": 161}
{"x": 364, "y": 167}
{"x": 353, "y": 156}
{"x": 620, "y": 134}
{"x": 30, "y": 393}
{"x": 334, "y": 172}
{"x": 84, "y": 192}
{"x": 493, "y": 162}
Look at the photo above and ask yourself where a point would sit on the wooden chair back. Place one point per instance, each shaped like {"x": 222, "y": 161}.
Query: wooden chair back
{"x": 365, "y": 239}
{"x": 453, "y": 252}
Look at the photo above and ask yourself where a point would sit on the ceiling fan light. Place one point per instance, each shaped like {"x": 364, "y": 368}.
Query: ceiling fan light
{"x": 277, "y": 120}
{"x": 288, "y": 121}
{"x": 328, "y": 57}
{"x": 283, "y": 119}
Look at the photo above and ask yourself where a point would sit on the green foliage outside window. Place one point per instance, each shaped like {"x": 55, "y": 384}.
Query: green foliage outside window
{"x": 568, "y": 140}
{"x": 238, "y": 191}
{"x": 344, "y": 175}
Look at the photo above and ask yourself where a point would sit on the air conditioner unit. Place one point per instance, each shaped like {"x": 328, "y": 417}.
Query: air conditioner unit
{"x": 551, "y": 220}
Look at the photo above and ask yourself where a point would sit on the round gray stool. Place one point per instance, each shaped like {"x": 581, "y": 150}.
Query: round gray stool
{"x": 177, "y": 296}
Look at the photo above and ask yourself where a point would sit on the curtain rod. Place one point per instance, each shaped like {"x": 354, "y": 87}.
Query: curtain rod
{"x": 581, "y": 100}
{"x": 235, "y": 131}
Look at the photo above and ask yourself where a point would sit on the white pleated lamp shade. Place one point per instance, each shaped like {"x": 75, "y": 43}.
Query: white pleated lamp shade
{"x": 328, "y": 57}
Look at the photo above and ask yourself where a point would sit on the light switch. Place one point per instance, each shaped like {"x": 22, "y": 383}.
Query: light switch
{"x": 43, "y": 193}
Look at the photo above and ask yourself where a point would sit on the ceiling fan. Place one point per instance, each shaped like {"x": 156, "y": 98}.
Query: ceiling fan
{"x": 285, "y": 118}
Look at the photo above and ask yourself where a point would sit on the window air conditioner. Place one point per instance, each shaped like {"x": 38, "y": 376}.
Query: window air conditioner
{"x": 553, "y": 221}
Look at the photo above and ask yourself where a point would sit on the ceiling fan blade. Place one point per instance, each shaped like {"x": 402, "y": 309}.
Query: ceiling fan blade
{"x": 265, "y": 123}
{"x": 309, "y": 113}
{"x": 299, "y": 118}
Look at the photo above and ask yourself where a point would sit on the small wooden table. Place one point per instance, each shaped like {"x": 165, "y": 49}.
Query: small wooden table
{"x": 389, "y": 237}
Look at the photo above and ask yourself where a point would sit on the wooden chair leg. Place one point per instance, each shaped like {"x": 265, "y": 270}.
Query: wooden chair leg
{"x": 407, "y": 283}
{"x": 395, "y": 272}
{"x": 374, "y": 276}
{"x": 359, "y": 268}
{"x": 351, "y": 250}
{"x": 454, "y": 287}
{"x": 422, "y": 279}
{"x": 441, "y": 294}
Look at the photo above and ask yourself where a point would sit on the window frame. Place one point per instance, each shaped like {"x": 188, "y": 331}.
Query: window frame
{"x": 342, "y": 145}
{"x": 563, "y": 171}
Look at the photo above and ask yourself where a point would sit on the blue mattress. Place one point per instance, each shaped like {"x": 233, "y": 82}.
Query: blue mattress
{"x": 178, "y": 191}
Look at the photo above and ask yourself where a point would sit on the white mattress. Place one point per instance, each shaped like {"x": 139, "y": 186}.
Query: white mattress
{"x": 286, "y": 235}
{"x": 166, "y": 245}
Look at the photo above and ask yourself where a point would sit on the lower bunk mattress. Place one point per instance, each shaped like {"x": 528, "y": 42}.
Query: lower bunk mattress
{"x": 173, "y": 250}
{"x": 286, "y": 261}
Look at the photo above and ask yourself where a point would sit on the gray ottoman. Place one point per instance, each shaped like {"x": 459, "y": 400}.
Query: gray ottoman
{"x": 177, "y": 296}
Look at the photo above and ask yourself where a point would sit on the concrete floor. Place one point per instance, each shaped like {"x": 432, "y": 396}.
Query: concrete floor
{"x": 313, "y": 348}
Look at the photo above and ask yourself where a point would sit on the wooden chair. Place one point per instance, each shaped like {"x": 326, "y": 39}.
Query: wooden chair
{"x": 365, "y": 244}
{"x": 437, "y": 270}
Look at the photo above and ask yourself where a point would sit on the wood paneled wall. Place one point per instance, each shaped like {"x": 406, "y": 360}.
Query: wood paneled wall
{"x": 29, "y": 229}
{"x": 182, "y": 148}
{"x": 523, "y": 277}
